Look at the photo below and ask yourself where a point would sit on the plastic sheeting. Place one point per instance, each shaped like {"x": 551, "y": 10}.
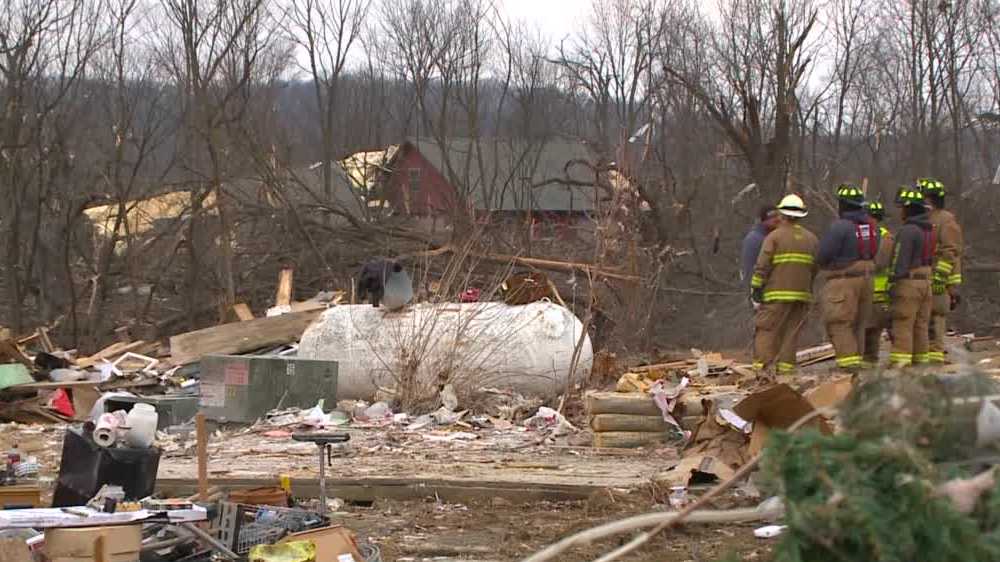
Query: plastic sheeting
{"x": 525, "y": 348}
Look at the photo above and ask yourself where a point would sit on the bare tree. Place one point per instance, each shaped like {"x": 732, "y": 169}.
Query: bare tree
{"x": 326, "y": 31}
{"x": 760, "y": 53}
{"x": 45, "y": 46}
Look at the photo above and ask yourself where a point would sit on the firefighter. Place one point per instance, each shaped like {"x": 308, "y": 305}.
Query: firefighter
{"x": 880, "y": 318}
{"x": 781, "y": 289}
{"x": 847, "y": 255}
{"x": 910, "y": 282}
{"x": 947, "y": 264}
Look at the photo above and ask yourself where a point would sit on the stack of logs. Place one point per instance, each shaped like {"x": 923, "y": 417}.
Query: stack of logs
{"x": 629, "y": 420}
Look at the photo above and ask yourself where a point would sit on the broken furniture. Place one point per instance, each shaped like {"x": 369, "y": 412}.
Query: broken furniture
{"x": 119, "y": 543}
{"x": 325, "y": 442}
{"x": 86, "y": 466}
{"x": 244, "y": 389}
{"x": 20, "y": 496}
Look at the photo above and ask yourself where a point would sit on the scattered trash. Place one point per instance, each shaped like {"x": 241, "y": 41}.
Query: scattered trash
{"x": 769, "y": 531}
{"x": 548, "y": 419}
{"x": 987, "y": 424}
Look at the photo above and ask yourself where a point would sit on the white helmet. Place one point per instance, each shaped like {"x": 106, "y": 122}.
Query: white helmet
{"x": 792, "y": 206}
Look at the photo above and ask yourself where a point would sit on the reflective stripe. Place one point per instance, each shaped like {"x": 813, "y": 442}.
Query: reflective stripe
{"x": 880, "y": 288}
{"x": 936, "y": 357}
{"x": 868, "y": 365}
{"x": 921, "y": 358}
{"x": 955, "y": 279}
{"x": 784, "y": 367}
{"x": 849, "y": 361}
{"x": 901, "y": 359}
{"x": 944, "y": 267}
{"x": 758, "y": 365}
{"x": 787, "y": 296}
{"x": 756, "y": 281}
{"x": 792, "y": 257}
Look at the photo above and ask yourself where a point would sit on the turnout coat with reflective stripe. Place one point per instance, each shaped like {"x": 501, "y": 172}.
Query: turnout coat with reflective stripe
{"x": 786, "y": 264}
{"x": 948, "y": 255}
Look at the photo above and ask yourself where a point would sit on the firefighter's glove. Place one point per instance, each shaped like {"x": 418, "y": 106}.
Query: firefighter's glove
{"x": 956, "y": 299}
{"x": 757, "y": 297}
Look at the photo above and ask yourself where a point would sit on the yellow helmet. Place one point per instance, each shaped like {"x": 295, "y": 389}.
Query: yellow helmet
{"x": 792, "y": 206}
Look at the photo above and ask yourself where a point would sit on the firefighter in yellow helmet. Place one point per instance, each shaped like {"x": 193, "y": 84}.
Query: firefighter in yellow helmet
{"x": 847, "y": 256}
{"x": 910, "y": 281}
{"x": 947, "y": 264}
{"x": 880, "y": 318}
{"x": 781, "y": 289}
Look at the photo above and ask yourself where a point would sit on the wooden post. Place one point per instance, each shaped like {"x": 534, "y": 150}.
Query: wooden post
{"x": 284, "y": 294}
{"x": 202, "y": 446}
{"x": 242, "y": 312}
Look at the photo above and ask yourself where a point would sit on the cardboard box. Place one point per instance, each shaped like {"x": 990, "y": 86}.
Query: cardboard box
{"x": 333, "y": 544}
{"x": 121, "y": 543}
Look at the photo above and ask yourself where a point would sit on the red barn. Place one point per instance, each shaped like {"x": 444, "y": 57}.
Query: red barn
{"x": 552, "y": 178}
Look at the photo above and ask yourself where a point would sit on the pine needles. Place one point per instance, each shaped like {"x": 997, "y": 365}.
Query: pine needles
{"x": 869, "y": 493}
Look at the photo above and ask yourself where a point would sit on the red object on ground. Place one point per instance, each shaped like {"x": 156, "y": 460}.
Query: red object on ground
{"x": 470, "y": 295}
{"x": 62, "y": 403}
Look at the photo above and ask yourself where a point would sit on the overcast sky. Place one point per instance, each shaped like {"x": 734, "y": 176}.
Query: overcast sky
{"x": 556, "y": 18}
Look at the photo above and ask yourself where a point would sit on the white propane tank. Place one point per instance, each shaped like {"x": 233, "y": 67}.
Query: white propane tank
{"x": 527, "y": 348}
{"x": 141, "y": 421}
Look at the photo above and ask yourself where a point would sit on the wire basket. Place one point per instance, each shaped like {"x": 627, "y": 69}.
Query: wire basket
{"x": 242, "y": 527}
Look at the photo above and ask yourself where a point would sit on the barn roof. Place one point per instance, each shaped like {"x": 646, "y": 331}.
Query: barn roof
{"x": 501, "y": 174}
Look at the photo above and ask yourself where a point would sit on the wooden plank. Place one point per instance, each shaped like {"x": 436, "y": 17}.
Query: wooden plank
{"x": 43, "y": 337}
{"x": 620, "y": 403}
{"x": 629, "y": 439}
{"x": 284, "y": 293}
{"x": 239, "y": 337}
{"x": 664, "y": 366}
{"x": 243, "y": 312}
{"x": 624, "y": 422}
{"x": 202, "y": 446}
{"x": 82, "y": 384}
{"x": 111, "y": 352}
{"x": 371, "y": 489}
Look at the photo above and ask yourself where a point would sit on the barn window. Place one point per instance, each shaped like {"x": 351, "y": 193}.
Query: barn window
{"x": 414, "y": 177}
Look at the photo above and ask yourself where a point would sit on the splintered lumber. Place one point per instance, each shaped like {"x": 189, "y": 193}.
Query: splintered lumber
{"x": 683, "y": 364}
{"x": 628, "y": 439}
{"x": 284, "y": 294}
{"x": 621, "y": 403}
{"x": 242, "y": 312}
{"x": 625, "y": 422}
{"x": 239, "y": 337}
{"x": 812, "y": 355}
{"x": 10, "y": 350}
{"x": 110, "y": 352}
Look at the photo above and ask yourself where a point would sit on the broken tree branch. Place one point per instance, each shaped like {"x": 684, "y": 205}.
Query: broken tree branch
{"x": 539, "y": 263}
{"x": 661, "y": 520}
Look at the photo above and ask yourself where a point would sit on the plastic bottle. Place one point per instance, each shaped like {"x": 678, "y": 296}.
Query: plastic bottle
{"x": 141, "y": 420}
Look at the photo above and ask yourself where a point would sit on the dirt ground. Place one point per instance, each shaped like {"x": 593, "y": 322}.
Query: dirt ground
{"x": 498, "y": 531}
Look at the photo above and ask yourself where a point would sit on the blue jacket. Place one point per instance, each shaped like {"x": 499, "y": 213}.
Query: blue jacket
{"x": 839, "y": 246}
{"x": 752, "y": 243}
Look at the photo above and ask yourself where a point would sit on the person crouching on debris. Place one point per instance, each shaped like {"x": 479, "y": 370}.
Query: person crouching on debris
{"x": 910, "y": 282}
{"x": 385, "y": 282}
{"x": 781, "y": 289}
